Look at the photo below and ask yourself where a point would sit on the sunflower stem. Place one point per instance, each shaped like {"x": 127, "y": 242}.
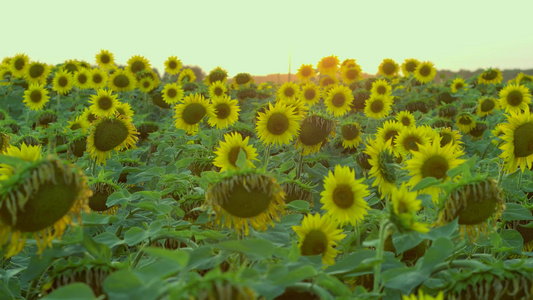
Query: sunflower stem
{"x": 383, "y": 234}
{"x": 267, "y": 156}
{"x": 299, "y": 166}
{"x": 93, "y": 169}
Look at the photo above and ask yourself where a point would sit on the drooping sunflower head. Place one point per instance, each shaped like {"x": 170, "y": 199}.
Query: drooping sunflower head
{"x": 78, "y": 145}
{"x": 172, "y": 93}
{"x": 217, "y": 89}
{"x": 36, "y": 97}
{"x": 388, "y": 68}
{"x": 315, "y": 131}
{"x": 6, "y": 75}
{"x": 242, "y": 80}
{"x": 102, "y": 189}
{"x": 122, "y": 81}
{"x": 378, "y": 106}
{"x": 383, "y": 165}
{"x": 338, "y": 100}
{"x": 425, "y": 72}
{"x": 477, "y": 131}
{"x": 37, "y": 73}
{"x": 173, "y": 65}
{"x": 515, "y": 98}
{"x": 277, "y": 125}
{"x": 245, "y": 198}
{"x": 145, "y": 128}
{"x": 351, "y": 135}
{"x": 522, "y": 78}
{"x": 490, "y": 76}
{"x": 310, "y": 94}
{"x": 517, "y": 139}
{"x": 216, "y": 75}
{"x": 306, "y": 72}
{"x": 104, "y": 103}
{"x": 409, "y": 66}
{"x": 105, "y": 59}
{"x": 297, "y": 190}
{"x": 328, "y": 65}
{"x": 77, "y": 124}
{"x": 191, "y": 112}
{"x": 229, "y": 150}
{"x": 226, "y": 112}
{"x": 44, "y": 118}
{"x": 107, "y": 134}
{"x": 288, "y": 92}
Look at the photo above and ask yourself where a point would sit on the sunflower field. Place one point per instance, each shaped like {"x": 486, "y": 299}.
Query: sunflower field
{"x": 119, "y": 183}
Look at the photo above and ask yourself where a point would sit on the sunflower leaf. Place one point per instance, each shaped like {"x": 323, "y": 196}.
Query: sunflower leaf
{"x": 81, "y": 290}
{"x": 515, "y": 211}
{"x": 241, "y": 162}
{"x": 425, "y": 183}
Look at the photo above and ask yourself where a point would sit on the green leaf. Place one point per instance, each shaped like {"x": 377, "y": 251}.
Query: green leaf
{"x": 298, "y": 205}
{"x": 511, "y": 239}
{"x": 108, "y": 239}
{"x": 260, "y": 249}
{"x": 178, "y": 256}
{"x": 134, "y": 236}
{"x": 426, "y": 182}
{"x": 404, "y": 279}
{"x": 515, "y": 211}
{"x": 297, "y": 275}
{"x": 351, "y": 262}
{"x": 403, "y": 242}
{"x": 446, "y": 231}
{"x": 125, "y": 284}
{"x": 441, "y": 249}
{"x": 37, "y": 264}
{"x": 241, "y": 162}
{"x": 77, "y": 290}
{"x": 93, "y": 219}
{"x": 96, "y": 249}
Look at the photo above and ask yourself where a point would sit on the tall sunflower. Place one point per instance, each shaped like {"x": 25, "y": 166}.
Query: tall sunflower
{"x": 381, "y": 87}
{"x": 486, "y": 106}
{"x": 350, "y": 75}
{"x": 515, "y": 98}
{"x": 465, "y": 122}
{"x": 105, "y": 59}
{"x": 36, "y": 96}
{"x": 228, "y": 152}
{"x": 343, "y": 196}
{"x": 388, "y": 68}
{"x": 172, "y": 93}
{"x": 383, "y": 167}
{"x": 339, "y": 100}
{"x": 517, "y": 139}
{"x": 389, "y": 131}
{"x": 378, "y": 106}
{"x": 36, "y": 73}
{"x": 99, "y": 78}
{"x": 288, "y": 92}
{"x": 173, "y": 65}
{"x": 410, "y": 138}
{"x": 306, "y": 72}
{"x": 137, "y": 64}
{"x": 124, "y": 111}
{"x": 351, "y": 135}
{"x": 82, "y": 79}
{"x": 404, "y": 210}
{"x": 490, "y": 76}
{"x": 18, "y": 65}
{"x": 217, "y": 89}
{"x": 191, "y": 112}
{"x": 62, "y": 82}
{"x": 318, "y": 236}
{"x": 277, "y": 125}
{"x": 458, "y": 84}
{"x": 315, "y": 131}
{"x": 104, "y": 103}
{"x": 107, "y": 134}
{"x": 122, "y": 81}
{"x": 409, "y": 66}
{"x": 328, "y": 65}
{"x": 406, "y": 118}
{"x": 425, "y": 72}
{"x": 310, "y": 94}
{"x": 146, "y": 84}
{"x": 226, "y": 112}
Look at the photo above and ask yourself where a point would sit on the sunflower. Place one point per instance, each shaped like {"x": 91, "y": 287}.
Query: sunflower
{"x": 310, "y": 94}
{"x": 18, "y": 65}
{"x": 62, "y": 82}
{"x": 71, "y": 66}
{"x": 137, "y": 64}
{"x": 288, "y": 92}
{"x": 228, "y": 152}
{"x": 465, "y": 122}
{"x": 409, "y": 66}
{"x": 46, "y": 185}
{"x": 458, "y": 84}
{"x": 486, "y": 106}
{"x": 186, "y": 75}
{"x": 339, "y": 100}
{"x": 124, "y": 111}
{"x": 190, "y": 113}
{"x": 173, "y": 65}
{"x": 98, "y": 78}
{"x": 306, "y": 72}
{"x": 383, "y": 167}
{"x": 172, "y": 93}
{"x": 36, "y": 73}
{"x": 410, "y": 138}
{"x": 328, "y": 65}
{"x": 77, "y": 124}
{"x": 350, "y": 75}
{"x": 105, "y": 59}
{"x": 300, "y": 109}
{"x": 422, "y": 296}
{"x": 327, "y": 82}
{"x": 318, "y": 236}
{"x": 388, "y": 68}
{"x": 425, "y": 72}
{"x": 242, "y": 80}
{"x": 432, "y": 160}
{"x": 87, "y": 117}
{"x": 406, "y": 118}
{"x": 447, "y": 136}
{"x": 82, "y": 79}
{"x": 108, "y": 134}
{"x": 146, "y": 84}
{"x": 101, "y": 190}
{"x": 351, "y": 135}
{"x": 389, "y": 131}
{"x": 517, "y": 139}
{"x": 122, "y": 81}
{"x": 24, "y": 152}
{"x": 515, "y": 98}
{"x": 404, "y": 210}
{"x": 36, "y": 96}
{"x": 522, "y": 78}
{"x": 381, "y": 87}
{"x": 104, "y": 103}
{"x": 246, "y": 197}
{"x": 217, "y": 74}
{"x": 378, "y": 106}
{"x": 4, "y": 142}
{"x": 277, "y": 125}
{"x": 226, "y": 112}
{"x": 315, "y": 131}
{"x": 217, "y": 89}
{"x": 490, "y": 76}
{"x": 6, "y": 75}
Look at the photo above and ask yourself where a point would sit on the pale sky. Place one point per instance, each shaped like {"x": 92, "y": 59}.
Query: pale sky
{"x": 257, "y": 36}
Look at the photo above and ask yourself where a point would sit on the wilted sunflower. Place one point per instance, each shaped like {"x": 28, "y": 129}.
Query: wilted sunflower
{"x": 465, "y": 122}
{"x": 343, "y": 196}
{"x": 82, "y": 79}
{"x": 172, "y": 93}
{"x": 105, "y": 59}
{"x": 104, "y": 103}
{"x": 226, "y": 112}
{"x": 318, "y": 236}
{"x": 102, "y": 189}
{"x": 339, "y": 100}
{"x": 518, "y": 141}
{"x": 173, "y": 65}
{"x": 36, "y": 73}
{"x": 378, "y": 106}
{"x": 409, "y": 66}
{"x": 277, "y": 125}
{"x": 217, "y": 89}
{"x": 62, "y": 82}
{"x": 246, "y": 197}
{"x": 388, "y": 68}
{"x": 406, "y": 118}
{"x": 146, "y": 84}
{"x": 425, "y": 72}
{"x": 190, "y": 113}
{"x": 315, "y": 131}
{"x": 351, "y": 135}
{"x": 228, "y": 152}
{"x": 328, "y": 65}
{"x": 306, "y": 72}
{"x": 99, "y": 78}
{"x": 490, "y": 76}
{"x": 515, "y": 98}
{"x": 310, "y": 93}
{"x": 350, "y": 75}
{"x": 404, "y": 210}
{"x": 46, "y": 185}
{"x": 122, "y": 81}
{"x": 186, "y": 75}
{"x": 432, "y": 160}
{"x": 36, "y": 96}
{"x": 389, "y": 131}
{"x": 288, "y": 92}
{"x": 410, "y": 138}
{"x": 107, "y": 134}
{"x": 215, "y": 75}
{"x": 137, "y": 63}
{"x": 18, "y": 65}
{"x": 486, "y": 106}
{"x": 383, "y": 165}
{"x": 458, "y": 84}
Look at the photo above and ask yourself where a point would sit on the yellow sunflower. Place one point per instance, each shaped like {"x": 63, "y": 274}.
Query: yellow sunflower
{"x": 315, "y": 131}
{"x": 422, "y": 296}
{"x": 381, "y": 87}
{"x": 71, "y": 66}
{"x": 406, "y": 118}
{"x": 409, "y": 66}
{"x": 4, "y": 142}
{"x": 404, "y": 210}
{"x": 378, "y": 106}
{"x": 104, "y": 103}
{"x": 383, "y": 167}
{"x": 36, "y": 96}
{"x": 62, "y": 82}
{"x": 458, "y": 84}
{"x": 388, "y": 68}
{"x": 137, "y": 64}
{"x": 173, "y": 65}
{"x": 447, "y": 136}
{"x": 522, "y": 78}
{"x": 191, "y": 112}
{"x": 432, "y": 160}
{"x": 389, "y": 131}
{"x": 425, "y": 72}
{"x": 328, "y": 65}
{"x": 217, "y": 74}
{"x": 105, "y": 59}
{"x": 486, "y": 106}
{"x": 87, "y": 117}
{"x": 300, "y": 107}
{"x": 288, "y": 92}
{"x": 277, "y": 125}
{"x": 410, "y": 138}
{"x": 310, "y": 94}
{"x": 186, "y": 75}
{"x": 350, "y": 75}
{"x": 172, "y": 93}
{"x": 122, "y": 81}
{"x": 339, "y": 100}
{"x": 146, "y": 84}
{"x": 306, "y": 72}
{"x": 318, "y": 236}
{"x": 351, "y": 135}
{"x": 18, "y": 65}
{"x": 217, "y": 89}
{"x": 107, "y": 134}
{"x": 515, "y": 98}
{"x": 465, "y": 122}
{"x": 490, "y": 76}
{"x": 82, "y": 79}
{"x": 228, "y": 152}
{"x": 124, "y": 111}
{"x": 98, "y": 78}
{"x": 5, "y": 75}
{"x": 226, "y": 112}
{"x": 342, "y": 197}
{"x": 77, "y": 124}
{"x": 24, "y": 152}
{"x": 517, "y": 139}
{"x": 36, "y": 73}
